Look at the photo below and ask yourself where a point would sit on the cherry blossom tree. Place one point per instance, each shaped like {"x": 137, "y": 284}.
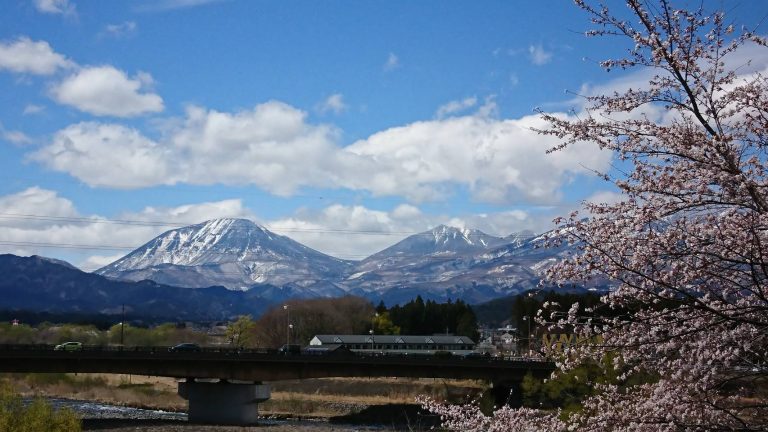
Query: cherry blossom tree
{"x": 686, "y": 246}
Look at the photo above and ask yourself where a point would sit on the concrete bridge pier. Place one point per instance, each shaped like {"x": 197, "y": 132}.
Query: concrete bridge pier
{"x": 508, "y": 393}
{"x": 223, "y": 402}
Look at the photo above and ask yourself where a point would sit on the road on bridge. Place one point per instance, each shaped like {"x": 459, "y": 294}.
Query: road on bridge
{"x": 263, "y": 365}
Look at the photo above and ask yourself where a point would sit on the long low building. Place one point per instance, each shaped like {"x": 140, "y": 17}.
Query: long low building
{"x": 457, "y": 345}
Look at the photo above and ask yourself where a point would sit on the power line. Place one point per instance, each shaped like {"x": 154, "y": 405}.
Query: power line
{"x": 20, "y": 216}
{"x": 351, "y": 256}
{"x": 129, "y": 222}
{"x": 17, "y": 216}
{"x": 65, "y": 245}
{"x": 108, "y": 247}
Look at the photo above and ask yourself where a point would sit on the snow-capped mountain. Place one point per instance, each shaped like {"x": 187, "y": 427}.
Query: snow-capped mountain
{"x": 434, "y": 246}
{"x": 448, "y": 262}
{"x": 441, "y": 263}
{"x": 441, "y": 240}
{"x": 235, "y": 253}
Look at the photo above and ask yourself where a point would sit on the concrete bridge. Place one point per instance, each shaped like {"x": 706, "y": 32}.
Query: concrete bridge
{"x": 235, "y": 397}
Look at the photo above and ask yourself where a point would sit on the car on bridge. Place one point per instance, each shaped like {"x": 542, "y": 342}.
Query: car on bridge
{"x": 290, "y": 349}
{"x": 185, "y": 347}
{"x": 69, "y": 346}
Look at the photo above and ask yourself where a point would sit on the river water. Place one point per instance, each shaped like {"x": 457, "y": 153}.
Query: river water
{"x": 93, "y": 410}
{"x": 104, "y": 417}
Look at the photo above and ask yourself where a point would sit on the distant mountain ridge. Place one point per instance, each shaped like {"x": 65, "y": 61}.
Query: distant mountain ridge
{"x": 439, "y": 240}
{"x": 444, "y": 262}
{"x": 459, "y": 263}
{"x": 43, "y": 285}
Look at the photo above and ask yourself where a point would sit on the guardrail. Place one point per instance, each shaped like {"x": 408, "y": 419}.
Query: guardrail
{"x": 261, "y": 364}
{"x": 246, "y": 352}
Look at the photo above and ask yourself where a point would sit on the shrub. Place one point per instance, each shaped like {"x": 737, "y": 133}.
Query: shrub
{"x": 38, "y": 416}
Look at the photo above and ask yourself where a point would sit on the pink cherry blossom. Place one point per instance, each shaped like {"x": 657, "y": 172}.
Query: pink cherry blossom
{"x": 686, "y": 247}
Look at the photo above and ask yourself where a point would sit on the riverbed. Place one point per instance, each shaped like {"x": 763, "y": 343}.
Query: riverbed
{"x": 112, "y": 418}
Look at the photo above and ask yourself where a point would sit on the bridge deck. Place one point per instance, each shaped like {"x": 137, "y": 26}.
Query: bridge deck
{"x": 262, "y": 365}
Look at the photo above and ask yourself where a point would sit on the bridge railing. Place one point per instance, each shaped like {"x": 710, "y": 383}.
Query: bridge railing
{"x": 255, "y": 352}
{"x": 118, "y": 348}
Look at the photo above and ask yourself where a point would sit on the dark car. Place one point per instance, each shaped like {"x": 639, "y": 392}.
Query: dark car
{"x": 185, "y": 347}
{"x": 290, "y": 349}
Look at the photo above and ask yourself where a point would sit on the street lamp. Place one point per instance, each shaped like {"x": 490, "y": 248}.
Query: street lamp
{"x": 289, "y": 326}
{"x": 529, "y": 319}
{"x": 371, "y": 333}
{"x": 122, "y": 328}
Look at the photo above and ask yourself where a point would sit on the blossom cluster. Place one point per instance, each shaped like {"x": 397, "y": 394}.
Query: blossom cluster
{"x": 687, "y": 245}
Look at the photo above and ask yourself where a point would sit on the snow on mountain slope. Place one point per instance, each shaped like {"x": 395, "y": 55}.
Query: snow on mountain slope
{"x": 449, "y": 262}
{"x": 441, "y": 241}
{"x": 441, "y": 263}
{"x": 235, "y": 253}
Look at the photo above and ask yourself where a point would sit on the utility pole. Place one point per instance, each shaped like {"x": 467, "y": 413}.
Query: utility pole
{"x": 371, "y": 332}
{"x": 122, "y": 328}
{"x": 288, "y": 325}
{"x": 528, "y": 318}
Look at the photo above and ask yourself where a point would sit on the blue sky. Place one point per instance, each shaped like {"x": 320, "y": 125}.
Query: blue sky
{"x": 305, "y": 116}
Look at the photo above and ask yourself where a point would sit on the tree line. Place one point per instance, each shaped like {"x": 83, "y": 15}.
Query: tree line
{"x": 129, "y": 335}
{"x": 418, "y": 317}
{"x": 297, "y": 321}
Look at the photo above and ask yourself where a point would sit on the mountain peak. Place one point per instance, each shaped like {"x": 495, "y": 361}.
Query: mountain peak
{"x": 440, "y": 240}
{"x": 445, "y": 234}
{"x": 236, "y": 251}
{"x": 221, "y": 224}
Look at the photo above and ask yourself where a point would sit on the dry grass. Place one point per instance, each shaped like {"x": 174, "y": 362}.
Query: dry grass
{"x": 99, "y": 388}
{"x": 325, "y": 397}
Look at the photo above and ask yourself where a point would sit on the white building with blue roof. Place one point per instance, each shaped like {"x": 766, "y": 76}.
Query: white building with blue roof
{"x": 398, "y": 344}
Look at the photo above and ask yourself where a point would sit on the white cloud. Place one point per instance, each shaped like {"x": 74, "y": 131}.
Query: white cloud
{"x": 94, "y": 152}
{"x": 122, "y": 30}
{"x": 55, "y": 7}
{"x": 392, "y": 63}
{"x": 34, "y": 201}
{"x": 15, "y": 137}
{"x": 273, "y": 147}
{"x": 35, "y": 219}
{"x": 498, "y": 160}
{"x": 356, "y": 232}
{"x": 95, "y": 262}
{"x": 333, "y": 103}
{"x": 538, "y": 55}
{"x": 24, "y": 55}
{"x": 33, "y": 109}
{"x": 456, "y": 106}
{"x": 406, "y": 211}
{"x": 192, "y": 213}
{"x": 343, "y": 231}
{"x": 270, "y": 146}
{"x": 107, "y": 91}
{"x": 103, "y": 241}
{"x": 606, "y": 197}
{"x": 166, "y": 5}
